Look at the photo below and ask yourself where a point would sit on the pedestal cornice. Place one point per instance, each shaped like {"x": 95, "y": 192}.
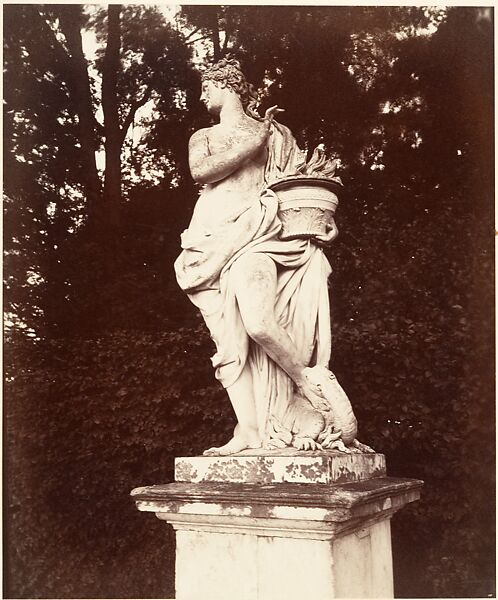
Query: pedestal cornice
{"x": 325, "y": 509}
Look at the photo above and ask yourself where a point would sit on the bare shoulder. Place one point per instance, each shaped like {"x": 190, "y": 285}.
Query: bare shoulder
{"x": 200, "y": 136}
{"x": 249, "y": 125}
{"x": 198, "y": 146}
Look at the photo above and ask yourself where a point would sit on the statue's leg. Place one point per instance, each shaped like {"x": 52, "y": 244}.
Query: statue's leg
{"x": 255, "y": 279}
{"x": 246, "y": 434}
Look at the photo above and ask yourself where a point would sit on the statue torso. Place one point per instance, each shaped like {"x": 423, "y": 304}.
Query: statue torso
{"x": 222, "y": 201}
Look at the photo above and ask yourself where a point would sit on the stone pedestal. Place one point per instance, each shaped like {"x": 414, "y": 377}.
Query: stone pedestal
{"x": 281, "y": 525}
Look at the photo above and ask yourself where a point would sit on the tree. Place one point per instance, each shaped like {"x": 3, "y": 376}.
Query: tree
{"x": 51, "y": 108}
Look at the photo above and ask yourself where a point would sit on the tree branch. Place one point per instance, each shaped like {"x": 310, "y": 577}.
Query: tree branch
{"x": 196, "y": 30}
{"x": 225, "y": 43}
{"x": 99, "y": 128}
{"x": 135, "y": 105}
{"x": 198, "y": 39}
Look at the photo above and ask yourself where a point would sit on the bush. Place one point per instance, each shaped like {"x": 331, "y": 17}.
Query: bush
{"x": 85, "y": 422}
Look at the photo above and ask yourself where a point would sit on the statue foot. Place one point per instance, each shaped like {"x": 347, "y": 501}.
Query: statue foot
{"x": 236, "y": 444}
{"x": 341, "y": 446}
{"x": 306, "y": 443}
{"x": 327, "y": 437}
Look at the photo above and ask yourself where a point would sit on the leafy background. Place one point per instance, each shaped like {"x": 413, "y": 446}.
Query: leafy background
{"x": 107, "y": 371}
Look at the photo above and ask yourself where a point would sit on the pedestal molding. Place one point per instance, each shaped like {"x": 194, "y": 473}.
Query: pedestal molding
{"x": 266, "y": 529}
{"x": 338, "y": 501}
{"x": 272, "y": 527}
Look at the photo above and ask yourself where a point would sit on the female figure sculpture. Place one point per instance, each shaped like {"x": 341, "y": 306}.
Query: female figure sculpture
{"x": 264, "y": 299}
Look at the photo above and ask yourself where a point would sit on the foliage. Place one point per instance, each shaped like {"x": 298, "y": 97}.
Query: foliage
{"x": 115, "y": 379}
{"x": 47, "y": 210}
{"x": 414, "y": 349}
{"x": 89, "y": 420}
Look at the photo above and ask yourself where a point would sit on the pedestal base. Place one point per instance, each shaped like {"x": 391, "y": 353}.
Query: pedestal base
{"x": 228, "y": 565}
{"x": 266, "y": 541}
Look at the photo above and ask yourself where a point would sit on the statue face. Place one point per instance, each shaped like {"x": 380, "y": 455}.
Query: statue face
{"x": 213, "y": 96}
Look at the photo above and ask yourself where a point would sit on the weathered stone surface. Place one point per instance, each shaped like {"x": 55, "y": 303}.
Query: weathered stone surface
{"x": 235, "y": 566}
{"x": 281, "y": 540}
{"x": 362, "y": 562}
{"x": 225, "y": 565}
{"x": 328, "y": 503}
{"x": 282, "y": 466}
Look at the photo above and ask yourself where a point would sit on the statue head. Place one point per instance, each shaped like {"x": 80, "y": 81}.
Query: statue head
{"x": 227, "y": 73}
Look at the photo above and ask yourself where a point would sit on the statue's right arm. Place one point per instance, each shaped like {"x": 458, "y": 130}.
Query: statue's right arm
{"x": 210, "y": 168}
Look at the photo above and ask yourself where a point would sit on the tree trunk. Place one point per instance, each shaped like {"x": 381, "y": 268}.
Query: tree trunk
{"x": 215, "y": 34}
{"x": 113, "y": 138}
{"x": 70, "y": 19}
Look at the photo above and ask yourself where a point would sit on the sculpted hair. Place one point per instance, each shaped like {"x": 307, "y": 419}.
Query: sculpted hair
{"x": 228, "y": 73}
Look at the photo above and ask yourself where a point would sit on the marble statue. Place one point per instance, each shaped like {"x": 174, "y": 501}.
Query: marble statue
{"x": 263, "y": 294}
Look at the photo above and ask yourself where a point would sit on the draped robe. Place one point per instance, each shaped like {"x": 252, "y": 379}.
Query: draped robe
{"x": 203, "y": 271}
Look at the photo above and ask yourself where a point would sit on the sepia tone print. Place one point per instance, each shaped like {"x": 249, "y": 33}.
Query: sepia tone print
{"x": 107, "y": 375}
